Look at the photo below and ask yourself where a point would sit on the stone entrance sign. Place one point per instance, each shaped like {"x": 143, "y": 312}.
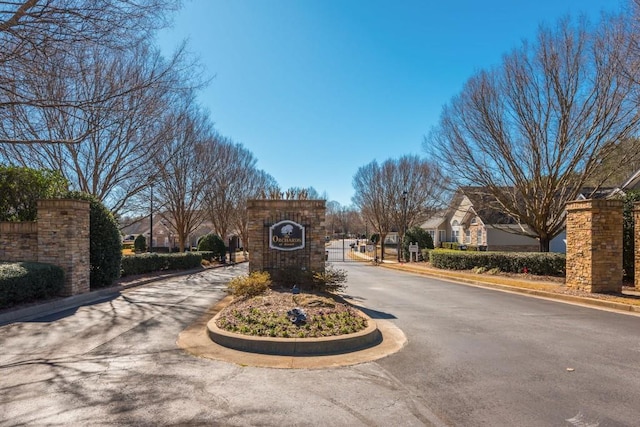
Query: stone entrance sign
{"x": 286, "y": 235}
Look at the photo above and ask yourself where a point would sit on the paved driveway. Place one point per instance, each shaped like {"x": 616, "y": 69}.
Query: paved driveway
{"x": 474, "y": 357}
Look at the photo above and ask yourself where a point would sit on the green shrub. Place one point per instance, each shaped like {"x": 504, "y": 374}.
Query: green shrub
{"x": 213, "y": 243}
{"x": 21, "y": 188}
{"x": 330, "y": 280}
{"x": 28, "y": 281}
{"x": 250, "y": 285}
{"x": 536, "y": 263}
{"x": 140, "y": 244}
{"x": 152, "y": 262}
{"x": 450, "y": 245}
{"x": 105, "y": 245}
{"x": 208, "y": 255}
{"x": 425, "y": 254}
{"x": 628, "y": 257}
{"x": 416, "y": 235}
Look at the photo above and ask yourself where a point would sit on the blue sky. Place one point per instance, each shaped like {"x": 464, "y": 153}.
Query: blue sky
{"x": 317, "y": 88}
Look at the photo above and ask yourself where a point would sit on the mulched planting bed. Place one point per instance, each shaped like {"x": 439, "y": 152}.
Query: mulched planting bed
{"x": 266, "y": 315}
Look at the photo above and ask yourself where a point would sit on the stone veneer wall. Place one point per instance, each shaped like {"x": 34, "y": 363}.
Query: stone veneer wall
{"x": 59, "y": 237}
{"x": 594, "y": 245}
{"x": 309, "y": 213}
{"x": 19, "y": 241}
{"x": 636, "y": 250}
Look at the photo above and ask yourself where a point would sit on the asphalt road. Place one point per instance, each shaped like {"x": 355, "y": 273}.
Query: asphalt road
{"x": 474, "y": 357}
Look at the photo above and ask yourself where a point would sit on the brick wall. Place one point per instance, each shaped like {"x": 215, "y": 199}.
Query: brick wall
{"x": 18, "y": 241}
{"x": 59, "y": 237}
{"x": 309, "y": 213}
{"x": 594, "y": 245}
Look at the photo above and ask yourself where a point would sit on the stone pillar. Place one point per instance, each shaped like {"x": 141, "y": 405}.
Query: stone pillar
{"x": 594, "y": 245}
{"x": 636, "y": 243}
{"x": 264, "y": 214}
{"x": 63, "y": 240}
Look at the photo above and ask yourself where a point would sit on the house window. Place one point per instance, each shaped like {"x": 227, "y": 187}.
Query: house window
{"x": 442, "y": 235}
{"x": 455, "y": 231}
{"x": 479, "y": 237}
{"x": 432, "y": 233}
{"x": 467, "y": 236}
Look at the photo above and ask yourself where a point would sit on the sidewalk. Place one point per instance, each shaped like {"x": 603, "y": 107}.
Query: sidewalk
{"x": 628, "y": 301}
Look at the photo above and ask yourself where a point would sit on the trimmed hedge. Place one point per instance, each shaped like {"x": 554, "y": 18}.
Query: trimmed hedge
{"x": 150, "y": 262}
{"x": 537, "y": 263}
{"x": 28, "y": 281}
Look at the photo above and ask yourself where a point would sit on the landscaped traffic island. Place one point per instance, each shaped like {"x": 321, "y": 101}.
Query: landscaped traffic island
{"x": 285, "y": 323}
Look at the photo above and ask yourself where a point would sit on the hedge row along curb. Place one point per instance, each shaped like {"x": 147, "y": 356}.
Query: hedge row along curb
{"x": 536, "y": 263}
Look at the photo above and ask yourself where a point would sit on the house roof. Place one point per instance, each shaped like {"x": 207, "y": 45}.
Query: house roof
{"x": 633, "y": 182}
{"x": 435, "y": 221}
{"x": 486, "y": 206}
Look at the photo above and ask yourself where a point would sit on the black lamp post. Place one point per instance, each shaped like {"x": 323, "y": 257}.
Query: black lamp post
{"x": 404, "y": 221}
{"x": 151, "y": 218}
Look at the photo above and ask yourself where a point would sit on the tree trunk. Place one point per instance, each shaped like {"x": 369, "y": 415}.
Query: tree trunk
{"x": 544, "y": 243}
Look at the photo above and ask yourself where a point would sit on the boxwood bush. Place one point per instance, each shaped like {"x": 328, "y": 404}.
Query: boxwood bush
{"x": 151, "y": 262}
{"x": 28, "y": 281}
{"x": 537, "y": 263}
{"x": 213, "y": 243}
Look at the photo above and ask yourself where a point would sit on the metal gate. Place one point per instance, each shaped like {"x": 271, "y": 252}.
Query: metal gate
{"x": 349, "y": 250}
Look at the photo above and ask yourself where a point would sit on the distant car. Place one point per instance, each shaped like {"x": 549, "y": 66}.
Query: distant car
{"x": 352, "y": 245}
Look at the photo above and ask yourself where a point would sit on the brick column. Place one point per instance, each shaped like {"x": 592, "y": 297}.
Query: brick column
{"x": 63, "y": 240}
{"x": 594, "y": 245}
{"x": 636, "y": 244}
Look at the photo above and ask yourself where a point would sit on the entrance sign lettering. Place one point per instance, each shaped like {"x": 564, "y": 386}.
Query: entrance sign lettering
{"x": 286, "y": 236}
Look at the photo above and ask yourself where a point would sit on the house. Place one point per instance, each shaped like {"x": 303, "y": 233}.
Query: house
{"x": 473, "y": 219}
{"x": 633, "y": 183}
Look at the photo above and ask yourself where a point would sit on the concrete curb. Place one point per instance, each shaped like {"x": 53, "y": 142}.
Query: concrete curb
{"x": 58, "y": 305}
{"x": 323, "y": 346}
{"x": 195, "y": 340}
{"x": 494, "y": 284}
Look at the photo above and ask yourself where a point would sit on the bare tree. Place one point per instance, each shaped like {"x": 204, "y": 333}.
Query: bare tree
{"x": 257, "y": 182}
{"x": 123, "y": 133}
{"x": 38, "y": 37}
{"x": 398, "y": 194}
{"x": 371, "y": 198}
{"x": 183, "y": 168}
{"x": 533, "y": 130}
{"x": 228, "y": 185}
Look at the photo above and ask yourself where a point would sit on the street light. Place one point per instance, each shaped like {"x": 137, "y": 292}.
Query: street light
{"x": 404, "y": 221}
{"x": 151, "y": 217}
